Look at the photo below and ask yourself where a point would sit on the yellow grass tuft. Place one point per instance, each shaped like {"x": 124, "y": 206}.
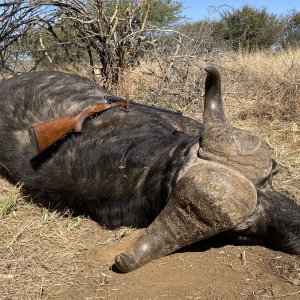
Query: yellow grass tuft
{"x": 9, "y": 197}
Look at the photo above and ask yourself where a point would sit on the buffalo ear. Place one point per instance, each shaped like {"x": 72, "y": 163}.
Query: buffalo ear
{"x": 213, "y": 105}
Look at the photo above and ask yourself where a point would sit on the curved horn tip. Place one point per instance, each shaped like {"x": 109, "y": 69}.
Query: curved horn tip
{"x": 212, "y": 70}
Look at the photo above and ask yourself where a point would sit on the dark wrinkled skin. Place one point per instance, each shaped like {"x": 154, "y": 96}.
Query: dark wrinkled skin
{"x": 274, "y": 223}
{"x": 127, "y": 168}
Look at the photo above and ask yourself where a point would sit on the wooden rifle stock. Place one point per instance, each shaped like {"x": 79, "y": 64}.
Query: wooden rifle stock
{"x": 45, "y": 134}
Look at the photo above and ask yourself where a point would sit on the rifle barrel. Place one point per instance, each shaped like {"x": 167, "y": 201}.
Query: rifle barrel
{"x": 113, "y": 99}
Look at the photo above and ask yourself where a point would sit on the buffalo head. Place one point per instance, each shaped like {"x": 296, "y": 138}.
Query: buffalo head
{"x": 227, "y": 190}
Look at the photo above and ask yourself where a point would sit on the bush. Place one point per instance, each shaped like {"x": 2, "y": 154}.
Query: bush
{"x": 250, "y": 28}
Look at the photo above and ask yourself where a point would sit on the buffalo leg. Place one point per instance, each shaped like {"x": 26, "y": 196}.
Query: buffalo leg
{"x": 208, "y": 199}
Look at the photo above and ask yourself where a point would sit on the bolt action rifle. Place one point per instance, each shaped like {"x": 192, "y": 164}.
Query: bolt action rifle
{"x": 47, "y": 133}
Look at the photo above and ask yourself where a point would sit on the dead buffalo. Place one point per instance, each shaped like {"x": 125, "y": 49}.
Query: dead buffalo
{"x": 144, "y": 166}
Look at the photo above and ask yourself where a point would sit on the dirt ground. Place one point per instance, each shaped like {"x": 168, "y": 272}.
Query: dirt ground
{"x": 44, "y": 255}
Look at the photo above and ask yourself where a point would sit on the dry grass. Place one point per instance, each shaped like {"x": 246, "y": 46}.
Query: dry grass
{"x": 9, "y": 198}
{"x": 270, "y": 81}
{"x": 43, "y": 252}
{"x": 46, "y": 253}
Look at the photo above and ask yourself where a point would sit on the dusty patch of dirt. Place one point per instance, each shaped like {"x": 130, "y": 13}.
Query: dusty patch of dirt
{"x": 44, "y": 255}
